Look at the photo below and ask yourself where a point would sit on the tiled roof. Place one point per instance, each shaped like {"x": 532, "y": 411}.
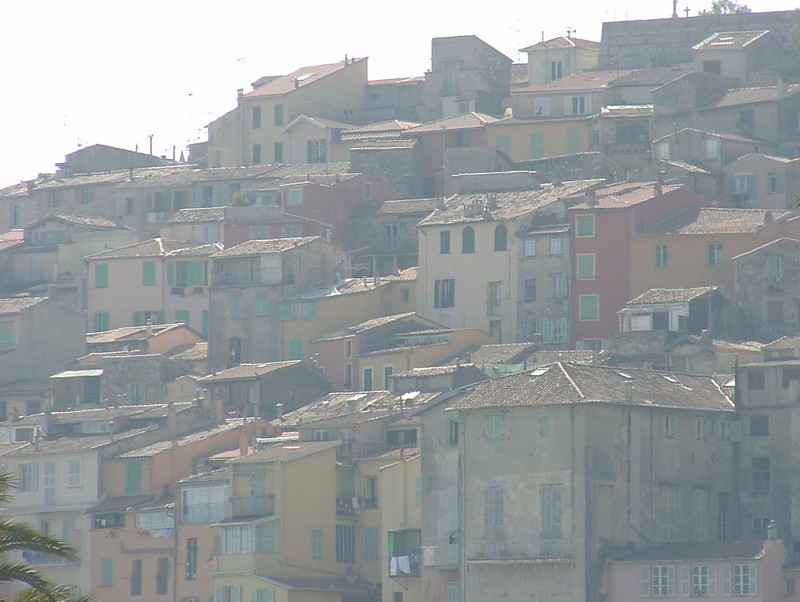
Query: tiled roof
{"x": 283, "y": 84}
{"x": 509, "y": 205}
{"x": 345, "y": 404}
{"x": 13, "y": 305}
{"x": 621, "y": 196}
{"x": 141, "y": 175}
{"x": 382, "y": 129}
{"x": 155, "y": 247}
{"x": 651, "y": 76}
{"x": 671, "y": 295}
{"x": 583, "y": 81}
{"x": 129, "y": 332}
{"x": 504, "y": 353}
{"x": 24, "y": 385}
{"x": 546, "y": 357}
{"x": 321, "y": 122}
{"x": 247, "y": 371}
{"x": 264, "y": 247}
{"x": 721, "y": 135}
{"x": 286, "y": 450}
{"x": 465, "y": 121}
{"x": 412, "y": 79}
{"x": 384, "y": 145}
{"x": 717, "y": 550}
{"x": 685, "y": 166}
{"x": 432, "y": 370}
{"x": 73, "y": 443}
{"x": 729, "y": 40}
{"x": 319, "y": 179}
{"x": 119, "y": 503}
{"x": 192, "y": 352}
{"x": 715, "y": 220}
{"x": 367, "y": 325}
{"x": 212, "y": 476}
{"x": 746, "y": 96}
{"x": 154, "y": 449}
{"x": 565, "y": 383}
{"x": 400, "y": 207}
{"x": 205, "y": 250}
{"x": 198, "y": 215}
{"x": 82, "y": 220}
{"x": 563, "y": 42}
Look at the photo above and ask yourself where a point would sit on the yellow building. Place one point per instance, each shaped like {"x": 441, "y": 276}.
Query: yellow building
{"x": 526, "y": 139}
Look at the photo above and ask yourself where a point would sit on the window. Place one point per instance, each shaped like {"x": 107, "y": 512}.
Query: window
{"x": 584, "y": 225}
{"x": 789, "y": 586}
{"x": 85, "y": 196}
{"x": 107, "y": 572}
{"x": 588, "y": 308}
{"x": 101, "y": 275}
{"x": 555, "y": 245}
{"x": 556, "y": 70}
{"x": 102, "y": 321}
{"x": 760, "y": 524}
{"x": 545, "y": 426}
{"x": 136, "y": 577}
{"x": 235, "y": 304}
{"x": 162, "y": 576}
{"x": 530, "y": 290}
{"x": 264, "y": 594}
{"x": 237, "y": 539}
{"x": 149, "y": 273}
{"x": 277, "y": 112}
{"x": 579, "y": 105}
{"x": 530, "y": 248}
{"x": 49, "y": 483}
{"x": 586, "y": 266}
{"x": 296, "y": 349}
{"x": 500, "y": 238}
{"x": 700, "y": 514}
{"x": 261, "y": 303}
{"x": 317, "y": 151}
{"x": 444, "y": 293}
{"x": 661, "y": 256}
{"x": 405, "y": 294}
{"x": 559, "y": 282}
{"x": 760, "y": 475}
{"x": 371, "y": 544}
{"x": 669, "y": 496}
{"x": 452, "y": 432}
{"x": 663, "y": 150}
{"x": 658, "y": 581}
{"x": 204, "y": 505}
{"x": 316, "y": 544}
{"x": 745, "y": 580}
{"x": 444, "y": 242}
{"x": 712, "y": 148}
{"x": 755, "y": 380}
{"x": 256, "y": 112}
{"x": 277, "y": 151}
{"x": 387, "y": 375}
{"x": 775, "y": 182}
{"x": 295, "y": 196}
{"x": 703, "y": 581}
{"x": 550, "y": 503}
{"x": 182, "y": 316}
{"x": 228, "y": 593}
{"x": 366, "y": 191}
{"x": 371, "y": 492}
{"x": 774, "y": 268}
{"x": 759, "y": 426}
{"x": 714, "y": 254}
{"x": 133, "y": 477}
{"x": 74, "y": 474}
{"x": 746, "y": 123}
{"x": 669, "y": 426}
{"x": 494, "y": 426}
{"x": 191, "y": 558}
{"x": 493, "y": 295}
{"x": 345, "y": 544}
{"x": 468, "y": 240}
{"x": 494, "y": 515}
{"x": 452, "y": 591}
{"x": 256, "y": 154}
{"x": 367, "y": 380}
{"x": 28, "y": 477}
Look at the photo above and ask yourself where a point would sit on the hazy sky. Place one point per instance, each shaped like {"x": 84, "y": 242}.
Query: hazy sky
{"x": 91, "y": 71}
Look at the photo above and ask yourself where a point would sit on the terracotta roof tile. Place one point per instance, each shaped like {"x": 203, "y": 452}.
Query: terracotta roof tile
{"x": 620, "y": 196}
{"x": 198, "y": 215}
{"x": 465, "y": 121}
{"x": 247, "y": 371}
{"x": 280, "y": 85}
{"x": 729, "y": 40}
{"x": 285, "y": 450}
{"x": 14, "y": 305}
{"x": 671, "y": 295}
{"x": 264, "y": 247}
{"x": 715, "y": 220}
{"x": 155, "y": 247}
{"x": 583, "y": 81}
{"x": 745, "y": 96}
{"x": 563, "y": 42}
{"x": 400, "y": 207}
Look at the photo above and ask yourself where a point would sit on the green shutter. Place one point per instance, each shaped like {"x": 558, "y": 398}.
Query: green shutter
{"x": 546, "y": 330}
{"x": 6, "y": 336}
{"x": 101, "y": 321}
{"x": 205, "y": 323}
{"x": 138, "y": 318}
{"x": 133, "y": 478}
{"x": 149, "y": 273}
{"x": 312, "y": 311}
{"x": 101, "y": 275}
{"x": 157, "y": 317}
{"x": 195, "y": 275}
{"x": 537, "y": 146}
{"x": 171, "y": 273}
{"x": 573, "y": 142}
{"x": 182, "y": 315}
{"x": 286, "y": 311}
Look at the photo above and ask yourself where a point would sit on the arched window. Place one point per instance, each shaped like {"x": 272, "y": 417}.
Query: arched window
{"x": 468, "y": 240}
{"x": 500, "y": 238}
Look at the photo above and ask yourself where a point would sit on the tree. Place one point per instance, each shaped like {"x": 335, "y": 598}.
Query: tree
{"x": 18, "y": 536}
{"x": 726, "y": 7}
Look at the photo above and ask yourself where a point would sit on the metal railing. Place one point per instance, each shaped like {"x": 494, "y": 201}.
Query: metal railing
{"x": 520, "y": 549}
{"x": 254, "y": 505}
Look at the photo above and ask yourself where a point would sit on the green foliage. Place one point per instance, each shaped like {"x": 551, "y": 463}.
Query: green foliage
{"x": 726, "y": 7}
{"x": 240, "y": 199}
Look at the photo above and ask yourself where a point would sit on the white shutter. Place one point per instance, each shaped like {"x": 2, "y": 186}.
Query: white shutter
{"x": 712, "y": 581}
{"x": 753, "y": 579}
{"x": 685, "y": 581}
{"x": 645, "y": 580}
{"x": 671, "y": 581}
{"x": 726, "y": 580}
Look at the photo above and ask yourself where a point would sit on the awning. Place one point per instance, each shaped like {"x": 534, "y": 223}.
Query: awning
{"x": 78, "y": 373}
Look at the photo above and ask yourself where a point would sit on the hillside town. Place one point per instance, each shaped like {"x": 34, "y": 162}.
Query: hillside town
{"x": 290, "y": 366}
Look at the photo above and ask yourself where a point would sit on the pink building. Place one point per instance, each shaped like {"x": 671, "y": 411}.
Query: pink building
{"x": 602, "y": 227}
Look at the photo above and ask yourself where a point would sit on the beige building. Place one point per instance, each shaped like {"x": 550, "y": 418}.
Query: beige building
{"x": 560, "y": 57}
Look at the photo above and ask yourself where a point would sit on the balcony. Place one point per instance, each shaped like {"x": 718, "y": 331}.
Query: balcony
{"x": 204, "y": 513}
{"x": 530, "y": 550}
{"x": 42, "y": 558}
{"x": 441, "y": 556}
{"x": 405, "y": 565}
{"x": 254, "y": 505}
{"x": 348, "y": 506}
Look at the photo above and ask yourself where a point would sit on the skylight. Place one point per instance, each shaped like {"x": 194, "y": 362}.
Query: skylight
{"x": 540, "y": 371}
{"x": 625, "y": 375}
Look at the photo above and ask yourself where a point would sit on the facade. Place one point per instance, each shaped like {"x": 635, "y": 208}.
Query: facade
{"x": 752, "y": 57}
{"x": 248, "y": 283}
{"x": 761, "y": 181}
{"x": 528, "y": 139}
{"x": 583, "y": 485}
{"x": 482, "y": 234}
{"x": 560, "y": 57}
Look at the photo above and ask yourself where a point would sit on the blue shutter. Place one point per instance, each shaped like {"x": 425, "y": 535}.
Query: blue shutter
{"x": 546, "y": 330}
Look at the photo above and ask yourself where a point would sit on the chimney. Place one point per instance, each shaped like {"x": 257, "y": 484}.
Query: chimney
{"x": 659, "y": 187}
{"x": 244, "y": 446}
{"x": 279, "y": 410}
{"x": 705, "y": 336}
{"x": 296, "y": 83}
{"x": 591, "y": 197}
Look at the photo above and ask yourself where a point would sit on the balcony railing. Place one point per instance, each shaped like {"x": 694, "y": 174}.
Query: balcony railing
{"x": 204, "y": 513}
{"x": 441, "y": 556}
{"x": 527, "y": 550}
{"x": 405, "y": 565}
{"x": 254, "y": 505}
{"x": 348, "y": 506}
{"x": 42, "y": 558}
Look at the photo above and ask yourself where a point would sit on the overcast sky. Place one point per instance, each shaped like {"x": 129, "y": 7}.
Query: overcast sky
{"x": 93, "y": 72}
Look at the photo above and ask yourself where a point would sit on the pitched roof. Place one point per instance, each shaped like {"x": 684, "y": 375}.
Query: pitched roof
{"x": 129, "y": 332}
{"x": 398, "y": 207}
{"x": 504, "y": 206}
{"x": 624, "y": 195}
{"x": 198, "y": 215}
{"x": 265, "y": 247}
{"x": 746, "y": 96}
{"x": 80, "y": 220}
{"x": 155, "y": 247}
{"x": 582, "y": 81}
{"x": 563, "y": 42}
{"x": 153, "y": 449}
{"x": 14, "y": 305}
{"x": 717, "y": 550}
{"x": 671, "y": 295}
{"x": 715, "y": 220}
{"x": 382, "y": 129}
{"x": 465, "y": 121}
{"x": 321, "y": 122}
{"x": 284, "y": 451}
{"x": 370, "y": 324}
{"x": 247, "y": 371}
{"x": 729, "y": 40}
{"x": 568, "y": 383}
{"x": 283, "y": 84}
{"x": 205, "y": 250}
